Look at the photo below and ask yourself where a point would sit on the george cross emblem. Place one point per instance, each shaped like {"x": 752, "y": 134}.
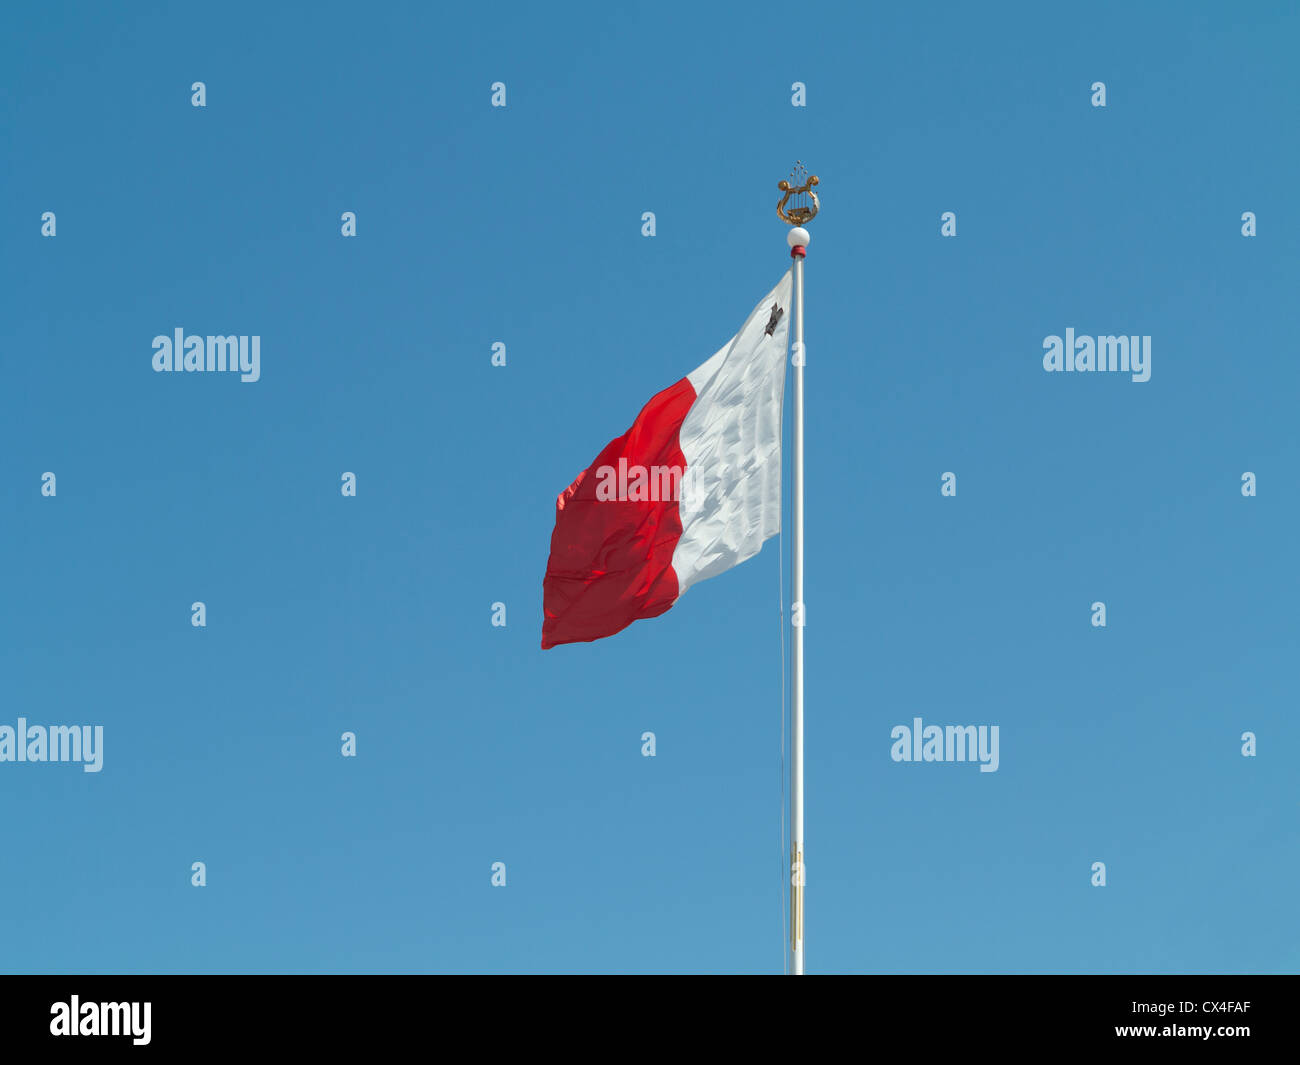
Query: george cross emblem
{"x": 777, "y": 312}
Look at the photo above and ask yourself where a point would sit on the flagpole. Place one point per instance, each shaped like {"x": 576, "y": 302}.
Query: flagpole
{"x": 798, "y": 240}
{"x": 804, "y": 209}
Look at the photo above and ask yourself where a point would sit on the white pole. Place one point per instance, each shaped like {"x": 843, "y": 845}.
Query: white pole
{"x": 798, "y": 240}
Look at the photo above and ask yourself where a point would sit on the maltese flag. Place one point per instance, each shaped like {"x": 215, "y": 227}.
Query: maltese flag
{"x": 690, "y": 490}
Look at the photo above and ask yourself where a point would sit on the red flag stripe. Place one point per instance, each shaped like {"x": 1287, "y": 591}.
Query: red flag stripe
{"x": 611, "y": 560}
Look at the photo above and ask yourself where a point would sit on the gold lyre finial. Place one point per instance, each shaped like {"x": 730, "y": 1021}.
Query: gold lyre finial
{"x": 800, "y": 188}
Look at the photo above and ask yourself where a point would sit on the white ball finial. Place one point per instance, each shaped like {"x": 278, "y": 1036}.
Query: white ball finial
{"x": 798, "y": 237}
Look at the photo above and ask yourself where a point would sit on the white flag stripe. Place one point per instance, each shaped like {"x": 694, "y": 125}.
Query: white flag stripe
{"x": 731, "y": 439}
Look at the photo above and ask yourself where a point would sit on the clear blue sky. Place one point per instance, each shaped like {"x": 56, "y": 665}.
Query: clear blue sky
{"x": 523, "y": 225}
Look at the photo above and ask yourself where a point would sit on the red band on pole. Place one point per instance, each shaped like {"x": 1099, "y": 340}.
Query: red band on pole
{"x": 798, "y": 252}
